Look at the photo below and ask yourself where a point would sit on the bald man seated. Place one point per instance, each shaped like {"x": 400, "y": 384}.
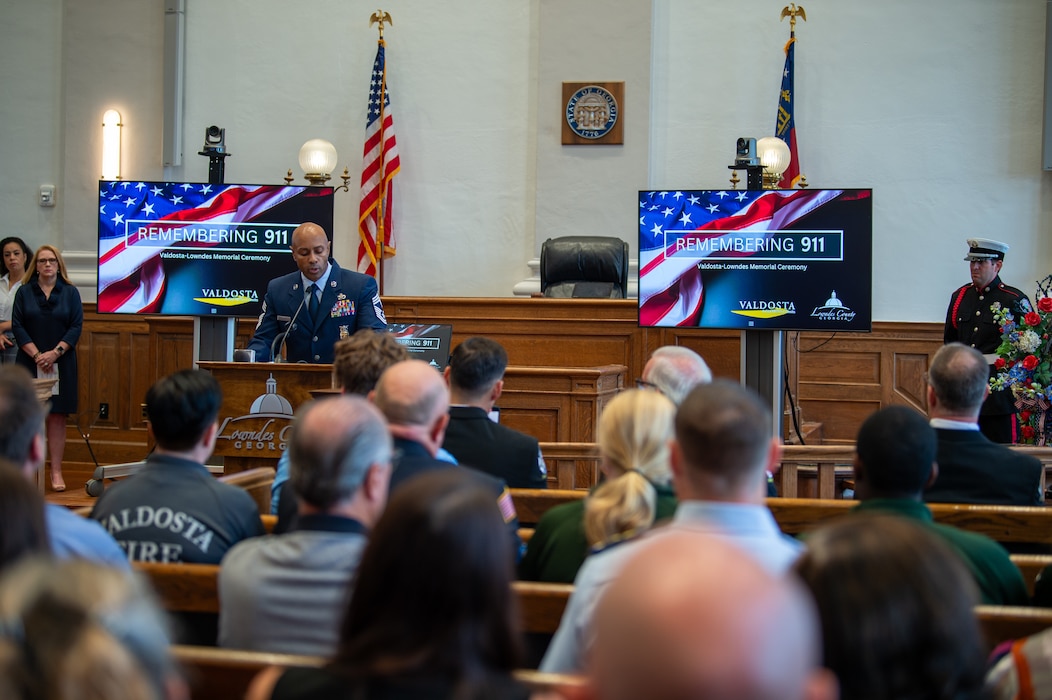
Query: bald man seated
{"x": 694, "y": 617}
{"x": 414, "y": 399}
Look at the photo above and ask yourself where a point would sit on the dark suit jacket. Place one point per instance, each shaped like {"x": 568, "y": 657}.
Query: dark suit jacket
{"x": 507, "y": 454}
{"x": 973, "y": 469}
{"x": 412, "y": 458}
{"x": 350, "y": 301}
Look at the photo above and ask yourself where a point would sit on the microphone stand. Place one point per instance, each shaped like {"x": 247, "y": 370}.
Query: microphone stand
{"x": 276, "y": 356}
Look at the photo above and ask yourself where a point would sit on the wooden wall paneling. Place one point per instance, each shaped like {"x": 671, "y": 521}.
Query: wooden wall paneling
{"x": 908, "y": 387}
{"x": 843, "y": 379}
{"x": 536, "y": 332}
{"x": 838, "y": 384}
{"x": 721, "y": 349}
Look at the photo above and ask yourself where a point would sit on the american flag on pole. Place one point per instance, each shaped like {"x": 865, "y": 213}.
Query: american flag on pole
{"x": 380, "y": 165}
{"x": 785, "y": 124}
{"x": 132, "y": 277}
{"x": 671, "y": 290}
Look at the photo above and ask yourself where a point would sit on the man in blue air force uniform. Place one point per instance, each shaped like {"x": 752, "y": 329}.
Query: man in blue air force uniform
{"x": 333, "y": 303}
{"x": 970, "y": 321}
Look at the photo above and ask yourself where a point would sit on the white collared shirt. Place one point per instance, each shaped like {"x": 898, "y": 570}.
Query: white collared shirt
{"x": 947, "y": 424}
{"x": 322, "y": 281}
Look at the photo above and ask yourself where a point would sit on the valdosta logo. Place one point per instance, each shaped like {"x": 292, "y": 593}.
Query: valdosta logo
{"x": 833, "y": 310}
{"x": 764, "y": 309}
{"x": 227, "y": 297}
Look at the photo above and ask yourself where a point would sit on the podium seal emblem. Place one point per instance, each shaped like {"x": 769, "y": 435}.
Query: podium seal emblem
{"x": 592, "y": 112}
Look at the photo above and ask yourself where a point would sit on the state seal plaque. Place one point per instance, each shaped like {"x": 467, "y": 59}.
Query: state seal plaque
{"x": 592, "y": 113}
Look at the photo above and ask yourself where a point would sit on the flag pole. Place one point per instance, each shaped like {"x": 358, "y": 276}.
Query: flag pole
{"x": 785, "y": 123}
{"x": 380, "y": 17}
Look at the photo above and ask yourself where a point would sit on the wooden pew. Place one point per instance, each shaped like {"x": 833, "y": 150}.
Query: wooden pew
{"x": 256, "y": 481}
{"x": 531, "y": 504}
{"x": 798, "y": 515}
{"x": 826, "y": 461}
{"x": 195, "y": 588}
{"x": 1031, "y": 566}
{"x": 221, "y": 674}
{"x": 1006, "y": 524}
{"x": 832, "y": 462}
{"x": 1001, "y": 623}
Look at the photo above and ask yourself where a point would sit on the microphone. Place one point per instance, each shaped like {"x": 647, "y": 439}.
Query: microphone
{"x": 276, "y": 357}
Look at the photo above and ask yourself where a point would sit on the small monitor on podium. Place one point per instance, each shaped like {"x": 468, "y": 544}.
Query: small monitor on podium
{"x": 425, "y": 341}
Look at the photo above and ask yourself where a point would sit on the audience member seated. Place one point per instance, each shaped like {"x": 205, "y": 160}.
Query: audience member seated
{"x": 284, "y": 593}
{"x": 415, "y": 401}
{"x": 22, "y": 529}
{"x": 174, "y": 510}
{"x": 77, "y": 629}
{"x": 476, "y": 380}
{"x": 896, "y": 609}
{"x": 674, "y": 370}
{"x": 432, "y": 614}
{"x": 719, "y": 457}
{"x": 972, "y": 468}
{"x": 359, "y": 361}
{"x": 22, "y": 443}
{"x": 694, "y": 617}
{"x": 633, "y": 435}
{"x": 895, "y": 460}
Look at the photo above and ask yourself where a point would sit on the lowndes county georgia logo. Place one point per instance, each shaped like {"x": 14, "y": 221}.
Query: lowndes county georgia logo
{"x": 227, "y": 297}
{"x": 764, "y": 309}
{"x": 592, "y": 112}
{"x": 833, "y": 310}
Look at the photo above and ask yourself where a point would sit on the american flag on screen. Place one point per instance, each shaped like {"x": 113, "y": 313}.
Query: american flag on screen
{"x": 785, "y": 124}
{"x": 131, "y": 278}
{"x": 380, "y": 165}
{"x": 670, "y": 288}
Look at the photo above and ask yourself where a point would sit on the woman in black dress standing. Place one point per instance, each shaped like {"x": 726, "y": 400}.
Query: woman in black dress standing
{"x": 47, "y": 320}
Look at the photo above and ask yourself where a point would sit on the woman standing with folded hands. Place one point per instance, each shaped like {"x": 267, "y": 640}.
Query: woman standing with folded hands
{"x": 15, "y": 254}
{"x": 47, "y": 319}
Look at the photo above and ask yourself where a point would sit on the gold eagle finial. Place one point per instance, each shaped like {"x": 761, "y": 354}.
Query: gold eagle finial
{"x": 792, "y": 11}
{"x": 382, "y": 18}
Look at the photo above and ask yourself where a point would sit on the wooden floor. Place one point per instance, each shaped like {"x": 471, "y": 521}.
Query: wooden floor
{"x": 76, "y": 474}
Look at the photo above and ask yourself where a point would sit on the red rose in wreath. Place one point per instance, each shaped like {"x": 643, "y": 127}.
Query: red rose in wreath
{"x": 999, "y": 363}
{"x": 1029, "y": 362}
{"x": 1044, "y": 304}
{"x": 1032, "y": 319}
{"x": 1024, "y": 416}
{"x": 1028, "y": 432}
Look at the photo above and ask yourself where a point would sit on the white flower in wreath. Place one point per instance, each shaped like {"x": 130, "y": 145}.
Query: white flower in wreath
{"x": 1029, "y": 341}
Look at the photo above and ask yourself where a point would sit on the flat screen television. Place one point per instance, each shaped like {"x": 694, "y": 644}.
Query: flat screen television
{"x": 199, "y": 249}
{"x": 756, "y": 259}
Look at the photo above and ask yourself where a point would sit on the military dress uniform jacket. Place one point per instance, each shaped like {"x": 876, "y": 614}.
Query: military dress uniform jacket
{"x": 969, "y": 320}
{"x": 350, "y": 301}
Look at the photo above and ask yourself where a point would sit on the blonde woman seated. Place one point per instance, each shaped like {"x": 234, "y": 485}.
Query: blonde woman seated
{"x": 634, "y": 433}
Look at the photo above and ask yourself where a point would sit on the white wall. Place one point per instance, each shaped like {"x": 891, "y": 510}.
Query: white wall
{"x": 936, "y": 105}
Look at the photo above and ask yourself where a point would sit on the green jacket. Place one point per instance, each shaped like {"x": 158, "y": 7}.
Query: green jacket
{"x": 558, "y": 546}
{"x": 998, "y": 579}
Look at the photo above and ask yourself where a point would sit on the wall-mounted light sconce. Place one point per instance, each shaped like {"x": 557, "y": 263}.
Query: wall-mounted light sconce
{"x": 111, "y": 145}
{"x": 317, "y": 160}
{"x": 775, "y": 157}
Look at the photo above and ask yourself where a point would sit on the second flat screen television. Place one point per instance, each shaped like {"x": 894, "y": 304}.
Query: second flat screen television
{"x": 756, "y": 259}
{"x": 199, "y": 249}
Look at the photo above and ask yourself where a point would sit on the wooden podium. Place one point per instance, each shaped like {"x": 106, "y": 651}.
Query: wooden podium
{"x": 259, "y": 400}
{"x": 554, "y": 404}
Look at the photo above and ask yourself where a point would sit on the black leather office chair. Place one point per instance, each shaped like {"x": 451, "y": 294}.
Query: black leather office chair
{"x": 584, "y": 267}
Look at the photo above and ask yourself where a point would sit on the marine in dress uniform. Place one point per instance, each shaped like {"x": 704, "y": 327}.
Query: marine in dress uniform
{"x": 970, "y": 320}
